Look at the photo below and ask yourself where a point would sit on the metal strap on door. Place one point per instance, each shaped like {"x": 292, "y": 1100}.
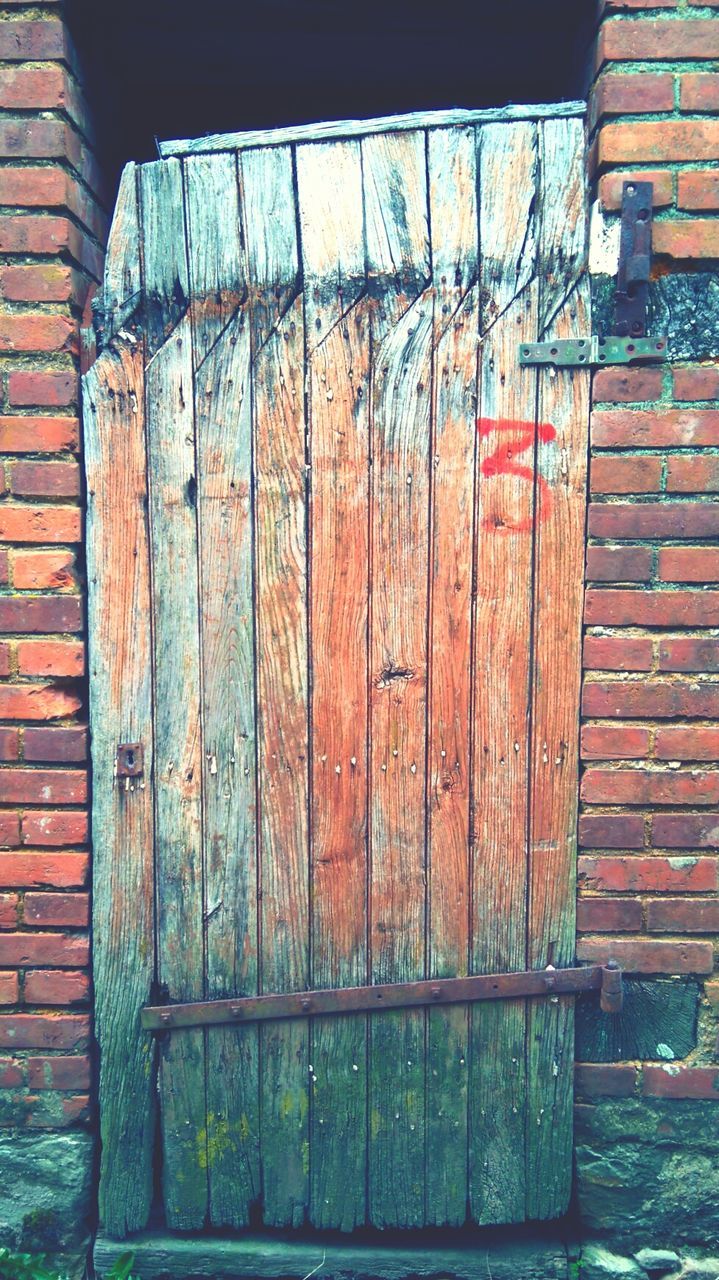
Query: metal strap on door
{"x": 607, "y": 979}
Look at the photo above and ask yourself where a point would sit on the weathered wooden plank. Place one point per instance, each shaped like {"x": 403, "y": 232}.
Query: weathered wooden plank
{"x": 121, "y": 280}
{"x": 337, "y": 378}
{"x": 178, "y": 773}
{"x": 118, "y": 573}
{"x": 398, "y": 263}
{"x": 558, "y": 596}
{"x": 163, "y": 1257}
{"x": 223, "y": 419}
{"x": 453, "y": 218}
{"x": 502, "y": 663}
{"x": 277, "y": 335}
{"x": 339, "y": 129}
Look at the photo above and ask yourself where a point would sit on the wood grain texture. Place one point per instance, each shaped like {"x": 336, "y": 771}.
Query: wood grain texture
{"x": 175, "y": 617}
{"x": 118, "y": 574}
{"x": 223, "y": 420}
{"x": 452, "y": 170}
{"x": 337, "y": 325}
{"x": 398, "y": 263}
{"x": 282, "y": 669}
{"x": 339, "y": 129}
{"x": 558, "y": 593}
{"x": 502, "y": 665}
{"x": 121, "y": 280}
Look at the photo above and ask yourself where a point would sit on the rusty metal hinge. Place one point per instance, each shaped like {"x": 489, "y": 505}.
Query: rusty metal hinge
{"x": 629, "y": 343}
{"x": 607, "y": 979}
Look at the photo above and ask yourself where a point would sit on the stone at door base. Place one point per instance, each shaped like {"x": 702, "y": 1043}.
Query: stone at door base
{"x": 598, "y": 1263}
{"x": 46, "y": 1181}
{"x": 657, "y": 1261}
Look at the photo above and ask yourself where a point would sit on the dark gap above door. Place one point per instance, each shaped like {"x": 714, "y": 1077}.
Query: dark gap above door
{"x": 173, "y": 68}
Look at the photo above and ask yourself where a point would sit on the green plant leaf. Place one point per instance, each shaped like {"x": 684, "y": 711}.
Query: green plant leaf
{"x": 122, "y": 1268}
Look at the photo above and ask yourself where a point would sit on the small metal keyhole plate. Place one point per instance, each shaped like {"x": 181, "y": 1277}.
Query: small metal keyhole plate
{"x": 130, "y": 760}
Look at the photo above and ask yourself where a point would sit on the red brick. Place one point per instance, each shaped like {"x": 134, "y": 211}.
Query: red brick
{"x": 692, "y": 564}
{"x": 605, "y": 1079}
{"x": 649, "y": 787}
{"x": 610, "y": 6}
{"x": 617, "y": 653}
{"x": 38, "y": 435}
{"x": 50, "y": 658}
{"x": 695, "y": 474}
{"x": 9, "y": 744}
{"x": 698, "y": 189}
{"x": 637, "y": 956}
{"x": 50, "y": 235}
{"x": 632, "y": 474}
{"x": 687, "y": 238}
{"x": 609, "y": 915}
{"x": 25, "y": 87}
{"x": 699, "y": 91}
{"x": 41, "y": 282}
{"x": 33, "y": 387}
{"x": 45, "y": 479}
{"x": 686, "y": 831}
{"x": 652, "y": 699}
{"x": 4, "y": 660}
{"x": 615, "y": 742}
{"x": 652, "y": 141}
{"x": 44, "y": 870}
{"x": 619, "y": 564}
{"x": 53, "y": 830}
{"x": 683, "y": 915}
{"x": 9, "y": 991}
{"x": 681, "y": 742}
{"x": 627, "y": 384}
{"x": 9, "y": 830}
{"x": 43, "y": 786}
{"x": 636, "y": 874}
{"x": 8, "y": 910}
{"x": 44, "y": 1031}
{"x": 611, "y": 831}
{"x": 40, "y": 524}
{"x": 25, "y": 331}
{"x": 57, "y": 910}
{"x": 650, "y": 428}
{"x": 674, "y": 1081}
{"x": 36, "y": 40}
{"x": 654, "y": 519}
{"x": 61, "y": 745}
{"x": 631, "y": 95}
{"x": 43, "y": 570}
{"x": 40, "y": 614}
{"x": 4, "y": 563}
{"x": 611, "y": 187}
{"x": 76, "y": 1110}
{"x": 58, "y": 1072}
{"x": 52, "y": 949}
{"x": 11, "y": 1071}
{"x": 688, "y": 653}
{"x": 663, "y": 40}
{"x": 652, "y": 608}
{"x": 56, "y": 987}
{"x": 698, "y": 383}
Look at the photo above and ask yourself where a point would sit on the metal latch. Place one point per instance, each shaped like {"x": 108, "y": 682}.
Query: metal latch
{"x": 129, "y": 760}
{"x": 629, "y": 342}
{"x": 607, "y": 979}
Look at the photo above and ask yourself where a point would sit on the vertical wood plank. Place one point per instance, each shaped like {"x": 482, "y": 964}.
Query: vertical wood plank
{"x": 558, "y": 592}
{"x": 172, "y": 499}
{"x": 454, "y": 230}
{"x": 118, "y": 573}
{"x": 121, "y": 280}
{"x": 277, "y": 335}
{"x": 221, "y": 351}
{"x": 502, "y": 664}
{"x": 337, "y": 326}
{"x": 398, "y": 261}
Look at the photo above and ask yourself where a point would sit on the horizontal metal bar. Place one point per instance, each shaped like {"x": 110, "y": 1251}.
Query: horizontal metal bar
{"x": 570, "y": 352}
{"x": 391, "y": 995}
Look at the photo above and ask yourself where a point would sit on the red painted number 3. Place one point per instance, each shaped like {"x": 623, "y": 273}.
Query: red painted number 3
{"x": 503, "y": 463}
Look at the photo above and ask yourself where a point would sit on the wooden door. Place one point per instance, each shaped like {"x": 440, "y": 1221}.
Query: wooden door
{"x": 335, "y": 539}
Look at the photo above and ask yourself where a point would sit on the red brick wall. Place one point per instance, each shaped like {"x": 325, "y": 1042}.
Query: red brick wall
{"x": 649, "y": 826}
{"x": 52, "y": 225}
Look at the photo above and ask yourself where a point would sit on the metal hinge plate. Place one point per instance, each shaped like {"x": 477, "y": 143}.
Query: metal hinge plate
{"x": 569, "y": 352}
